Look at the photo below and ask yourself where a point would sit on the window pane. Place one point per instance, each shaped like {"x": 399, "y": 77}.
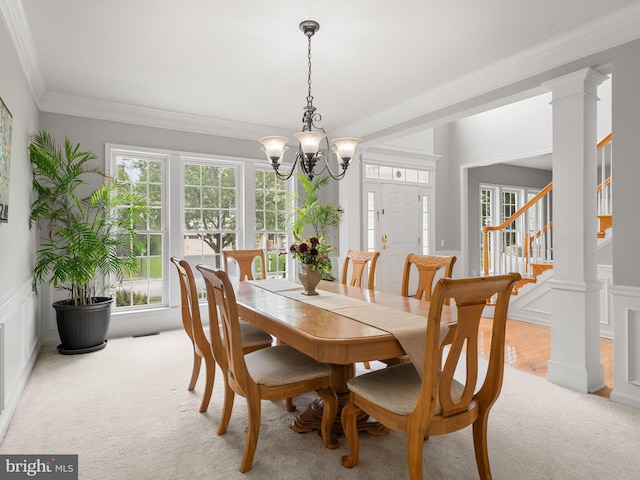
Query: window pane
{"x": 143, "y": 176}
{"x": 210, "y": 212}
{"x": 192, "y": 197}
{"x": 271, "y": 232}
{"x": 371, "y": 221}
{"x": 386, "y": 173}
{"x": 192, "y": 175}
{"x": 372, "y": 171}
{"x": 426, "y": 247}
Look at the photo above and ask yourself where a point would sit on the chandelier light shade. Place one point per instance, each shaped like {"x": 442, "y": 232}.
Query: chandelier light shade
{"x": 313, "y": 143}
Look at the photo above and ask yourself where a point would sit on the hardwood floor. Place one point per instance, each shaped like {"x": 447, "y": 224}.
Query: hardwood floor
{"x": 528, "y": 348}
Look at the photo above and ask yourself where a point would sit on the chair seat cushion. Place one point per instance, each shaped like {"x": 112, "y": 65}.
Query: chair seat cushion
{"x": 395, "y": 388}
{"x": 281, "y": 365}
{"x": 252, "y": 335}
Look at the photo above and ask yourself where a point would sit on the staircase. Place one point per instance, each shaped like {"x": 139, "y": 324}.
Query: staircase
{"x": 529, "y": 251}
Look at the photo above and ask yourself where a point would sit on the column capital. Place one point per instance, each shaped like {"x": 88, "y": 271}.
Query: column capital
{"x": 581, "y": 81}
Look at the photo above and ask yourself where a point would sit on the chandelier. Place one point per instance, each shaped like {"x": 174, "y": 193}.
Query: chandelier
{"x": 313, "y": 144}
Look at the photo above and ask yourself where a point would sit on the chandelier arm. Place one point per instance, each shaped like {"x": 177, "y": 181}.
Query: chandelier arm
{"x": 335, "y": 176}
{"x": 285, "y": 176}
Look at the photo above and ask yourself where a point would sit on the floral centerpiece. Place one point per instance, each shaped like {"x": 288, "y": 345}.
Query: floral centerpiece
{"x": 314, "y": 261}
{"x": 310, "y": 252}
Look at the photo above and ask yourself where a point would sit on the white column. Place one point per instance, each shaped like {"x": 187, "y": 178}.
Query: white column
{"x": 575, "y": 333}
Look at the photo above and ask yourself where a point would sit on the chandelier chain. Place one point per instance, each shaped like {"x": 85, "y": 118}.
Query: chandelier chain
{"x": 309, "y": 97}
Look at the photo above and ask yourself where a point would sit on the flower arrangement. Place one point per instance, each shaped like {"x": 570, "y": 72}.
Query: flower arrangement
{"x": 310, "y": 252}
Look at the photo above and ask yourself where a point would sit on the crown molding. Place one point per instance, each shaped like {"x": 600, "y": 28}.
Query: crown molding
{"x": 150, "y": 117}
{"x": 16, "y": 22}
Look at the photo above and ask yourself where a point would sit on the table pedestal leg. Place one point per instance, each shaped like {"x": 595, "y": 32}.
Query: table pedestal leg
{"x": 311, "y": 418}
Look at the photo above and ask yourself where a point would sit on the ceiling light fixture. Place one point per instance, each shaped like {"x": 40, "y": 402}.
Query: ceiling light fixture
{"x": 311, "y": 136}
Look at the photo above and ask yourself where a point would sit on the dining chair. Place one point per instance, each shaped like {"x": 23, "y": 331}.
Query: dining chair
{"x": 245, "y": 260}
{"x": 427, "y": 267}
{"x": 253, "y": 338}
{"x": 273, "y": 373}
{"x": 440, "y": 402}
{"x": 358, "y": 261}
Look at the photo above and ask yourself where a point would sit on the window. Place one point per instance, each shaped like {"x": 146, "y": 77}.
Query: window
{"x": 270, "y": 216}
{"x": 497, "y": 204}
{"x": 510, "y": 205}
{"x": 144, "y": 175}
{"x": 397, "y": 174}
{"x": 371, "y": 221}
{"x": 210, "y": 211}
{"x": 200, "y": 205}
{"x": 426, "y": 247}
{"x": 486, "y": 219}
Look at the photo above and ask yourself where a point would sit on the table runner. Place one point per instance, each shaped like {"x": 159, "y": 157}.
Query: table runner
{"x": 408, "y": 328}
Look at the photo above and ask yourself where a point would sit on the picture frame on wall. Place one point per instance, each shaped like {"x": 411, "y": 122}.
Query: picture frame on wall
{"x": 6, "y": 124}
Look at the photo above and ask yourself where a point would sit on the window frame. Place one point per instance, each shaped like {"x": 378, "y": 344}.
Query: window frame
{"x": 113, "y": 152}
{"x": 172, "y": 192}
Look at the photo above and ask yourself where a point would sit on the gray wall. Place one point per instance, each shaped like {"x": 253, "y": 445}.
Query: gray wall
{"x": 447, "y": 223}
{"x": 626, "y": 169}
{"x": 16, "y": 241}
{"x": 19, "y": 329}
{"x": 93, "y": 134}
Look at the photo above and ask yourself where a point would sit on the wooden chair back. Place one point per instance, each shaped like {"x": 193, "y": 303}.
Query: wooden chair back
{"x": 470, "y": 298}
{"x": 245, "y": 260}
{"x": 285, "y": 373}
{"x": 444, "y": 404}
{"x": 427, "y": 267}
{"x": 192, "y": 323}
{"x": 227, "y": 343}
{"x": 359, "y": 260}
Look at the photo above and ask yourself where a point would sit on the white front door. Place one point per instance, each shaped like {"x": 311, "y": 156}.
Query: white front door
{"x": 400, "y": 227}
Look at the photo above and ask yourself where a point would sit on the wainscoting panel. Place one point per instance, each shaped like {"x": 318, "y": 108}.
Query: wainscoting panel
{"x": 633, "y": 342}
{"x": 19, "y": 345}
{"x": 625, "y": 307}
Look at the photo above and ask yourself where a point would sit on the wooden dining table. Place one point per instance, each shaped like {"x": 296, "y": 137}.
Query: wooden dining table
{"x": 327, "y": 336}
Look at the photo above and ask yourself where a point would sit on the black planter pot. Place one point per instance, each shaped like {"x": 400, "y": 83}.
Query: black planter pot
{"x": 83, "y": 328}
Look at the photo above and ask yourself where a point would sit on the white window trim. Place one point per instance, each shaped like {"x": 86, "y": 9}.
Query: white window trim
{"x": 173, "y": 183}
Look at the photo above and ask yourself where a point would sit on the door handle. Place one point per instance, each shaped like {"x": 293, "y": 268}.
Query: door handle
{"x": 384, "y": 242}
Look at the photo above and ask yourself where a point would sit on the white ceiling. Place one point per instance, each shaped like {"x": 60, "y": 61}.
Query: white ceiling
{"x": 240, "y": 67}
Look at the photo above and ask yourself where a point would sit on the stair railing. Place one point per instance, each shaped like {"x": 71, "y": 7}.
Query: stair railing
{"x": 530, "y": 242}
{"x": 605, "y": 157}
{"x": 515, "y": 247}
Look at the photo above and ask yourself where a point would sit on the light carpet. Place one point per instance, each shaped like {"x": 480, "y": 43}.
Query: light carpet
{"x": 126, "y": 412}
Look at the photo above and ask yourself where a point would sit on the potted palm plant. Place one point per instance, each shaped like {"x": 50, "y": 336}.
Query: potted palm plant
{"x": 88, "y": 237}
{"x": 309, "y": 214}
